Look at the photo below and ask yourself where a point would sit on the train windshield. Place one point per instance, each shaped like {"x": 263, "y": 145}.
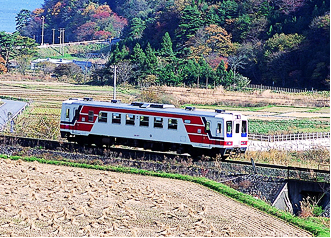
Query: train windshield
{"x": 229, "y": 128}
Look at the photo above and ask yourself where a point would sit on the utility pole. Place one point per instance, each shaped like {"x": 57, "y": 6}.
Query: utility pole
{"x": 61, "y": 37}
{"x": 63, "y": 41}
{"x": 53, "y": 36}
{"x": 114, "y": 92}
{"x": 42, "y": 29}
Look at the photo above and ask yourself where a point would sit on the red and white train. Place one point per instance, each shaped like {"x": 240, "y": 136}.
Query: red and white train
{"x": 154, "y": 126}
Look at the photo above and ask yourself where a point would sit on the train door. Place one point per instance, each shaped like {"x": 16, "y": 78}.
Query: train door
{"x": 237, "y": 131}
{"x": 75, "y": 115}
{"x": 207, "y": 131}
{"x": 219, "y": 131}
{"x": 67, "y": 114}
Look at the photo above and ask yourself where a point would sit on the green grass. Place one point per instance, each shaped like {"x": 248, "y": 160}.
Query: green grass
{"x": 288, "y": 126}
{"x": 312, "y": 225}
{"x": 73, "y": 52}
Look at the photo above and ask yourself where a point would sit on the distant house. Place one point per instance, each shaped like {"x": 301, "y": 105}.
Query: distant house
{"x": 85, "y": 65}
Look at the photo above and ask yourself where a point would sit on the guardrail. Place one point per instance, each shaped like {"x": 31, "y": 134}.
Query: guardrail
{"x": 289, "y": 137}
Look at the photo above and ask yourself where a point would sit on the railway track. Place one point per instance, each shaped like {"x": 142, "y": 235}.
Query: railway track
{"x": 135, "y": 154}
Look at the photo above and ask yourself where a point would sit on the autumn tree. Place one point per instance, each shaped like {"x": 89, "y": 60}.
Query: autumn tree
{"x": 3, "y": 68}
{"x": 212, "y": 43}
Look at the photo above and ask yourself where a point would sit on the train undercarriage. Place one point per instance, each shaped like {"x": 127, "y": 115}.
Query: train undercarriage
{"x": 196, "y": 153}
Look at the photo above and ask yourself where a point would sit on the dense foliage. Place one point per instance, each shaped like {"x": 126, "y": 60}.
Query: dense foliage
{"x": 16, "y": 46}
{"x": 203, "y": 42}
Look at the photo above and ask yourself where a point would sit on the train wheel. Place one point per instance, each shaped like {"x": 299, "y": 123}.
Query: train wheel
{"x": 196, "y": 154}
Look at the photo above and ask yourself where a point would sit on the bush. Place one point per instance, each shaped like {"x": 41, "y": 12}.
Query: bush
{"x": 70, "y": 70}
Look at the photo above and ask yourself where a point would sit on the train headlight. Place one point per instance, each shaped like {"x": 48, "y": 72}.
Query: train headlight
{"x": 229, "y": 143}
{"x": 244, "y": 143}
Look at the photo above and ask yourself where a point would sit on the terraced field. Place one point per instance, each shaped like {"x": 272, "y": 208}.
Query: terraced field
{"x": 49, "y": 200}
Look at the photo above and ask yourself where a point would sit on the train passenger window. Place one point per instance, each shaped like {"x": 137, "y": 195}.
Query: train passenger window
{"x": 207, "y": 128}
{"x": 90, "y": 116}
{"x": 129, "y": 119}
{"x": 237, "y": 127}
{"x": 219, "y": 129}
{"x": 67, "y": 113}
{"x": 172, "y": 124}
{"x": 229, "y": 127}
{"x": 144, "y": 121}
{"x": 158, "y": 122}
{"x": 102, "y": 117}
{"x": 116, "y": 118}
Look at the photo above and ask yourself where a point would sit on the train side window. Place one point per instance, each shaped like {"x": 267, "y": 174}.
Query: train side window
{"x": 102, "y": 117}
{"x": 116, "y": 118}
{"x": 172, "y": 124}
{"x": 130, "y": 119}
{"x": 229, "y": 128}
{"x": 67, "y": 113}
{"x": 237, "y": 127}
{"x": 90, "y": 116}
{"x": 144, "y": 121}
{"x": 158, "y": 122}
{"x": 207, "y": 128}
{"x": 219, "y": 129}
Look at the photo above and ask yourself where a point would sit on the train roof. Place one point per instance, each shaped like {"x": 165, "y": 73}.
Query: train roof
{"x": 153, "y": 107}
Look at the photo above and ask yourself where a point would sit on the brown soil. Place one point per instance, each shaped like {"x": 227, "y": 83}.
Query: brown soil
{"x": 243, "y": 99}
{"x": 47, "y": 200}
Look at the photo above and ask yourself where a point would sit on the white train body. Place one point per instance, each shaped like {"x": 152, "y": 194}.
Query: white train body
{"x": 158, "y": 126}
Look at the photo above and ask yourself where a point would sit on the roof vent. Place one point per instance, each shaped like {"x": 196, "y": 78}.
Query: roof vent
{"x": 137, "y": 104}
{"x": 145, "y": 105}
{"x": 219, "y": 110}
{"x": 156, "y": 105}
{"x": 75, "y": 99}
{"x": 189, "y": 108}
{"x": 115, "y": 101}
{"x": 88, "y": 99}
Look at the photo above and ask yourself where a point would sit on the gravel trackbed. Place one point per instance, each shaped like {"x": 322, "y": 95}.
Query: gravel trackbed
{"x": 47, "y": 200}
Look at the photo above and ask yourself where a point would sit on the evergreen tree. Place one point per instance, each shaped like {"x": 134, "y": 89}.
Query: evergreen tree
{"x": 115, "y": 57}
{"x": 151, "y": 59}
{"x": 166, "y": 46}
{"x": 189, "y": 23}
{"x": 207, "y": 73}
{"x": 221, "y": 74}
{"x": 137, "y": 28}
{"x": 138, "y": 57}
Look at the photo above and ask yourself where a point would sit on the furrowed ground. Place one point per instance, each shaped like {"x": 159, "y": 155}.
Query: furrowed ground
{"x": 48, "y": 200}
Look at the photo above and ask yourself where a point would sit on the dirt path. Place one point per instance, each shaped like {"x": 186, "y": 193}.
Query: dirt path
{"x": 46, "y": 200}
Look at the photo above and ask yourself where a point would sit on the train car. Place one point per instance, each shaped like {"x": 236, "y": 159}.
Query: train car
{"x": 154, "y": 126}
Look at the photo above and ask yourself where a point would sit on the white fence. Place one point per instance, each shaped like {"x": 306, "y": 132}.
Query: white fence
{"x": 280, "y": 89}
{"x": 289, "y": 137}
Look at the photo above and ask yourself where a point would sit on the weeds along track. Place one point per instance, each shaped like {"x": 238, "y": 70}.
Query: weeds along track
{"x": 160, "y": 161}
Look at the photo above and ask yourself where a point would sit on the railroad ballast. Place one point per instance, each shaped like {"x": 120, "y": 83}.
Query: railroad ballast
{"x": 160, "y": 127}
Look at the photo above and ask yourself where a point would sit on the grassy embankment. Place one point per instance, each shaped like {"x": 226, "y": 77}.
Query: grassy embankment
{"x": 317, "y": 226}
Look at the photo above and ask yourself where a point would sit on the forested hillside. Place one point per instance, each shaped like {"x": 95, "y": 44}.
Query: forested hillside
{"x": 203, "y": 42}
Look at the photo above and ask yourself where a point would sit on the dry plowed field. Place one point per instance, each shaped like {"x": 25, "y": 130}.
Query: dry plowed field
{"x": 47, "y": 200}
